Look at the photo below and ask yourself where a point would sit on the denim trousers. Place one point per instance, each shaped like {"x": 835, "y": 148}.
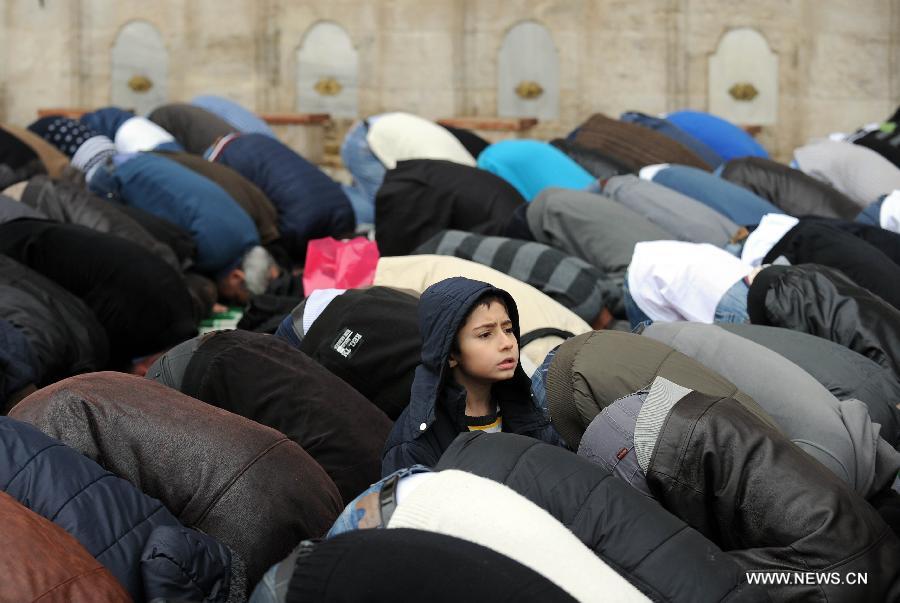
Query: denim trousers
{"x": 635, "y": 315}
{"x": 732, "y": 307}
{"x": 367, "y": 171}
{"x": 350, "y": 517}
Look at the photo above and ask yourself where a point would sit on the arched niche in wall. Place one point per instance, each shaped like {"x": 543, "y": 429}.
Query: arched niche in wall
{"x": 528, "y": 73}
{"x": 140, "y": 68}
{"x": 327, "y": 71}
{"x": 743, "y": 79}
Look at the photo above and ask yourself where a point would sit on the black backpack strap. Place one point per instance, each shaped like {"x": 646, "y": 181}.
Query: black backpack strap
{"x": 547, "y": 332}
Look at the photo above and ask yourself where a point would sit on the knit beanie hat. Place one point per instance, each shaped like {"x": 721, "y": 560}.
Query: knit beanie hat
{"x": 63, "y": 133}
{"x": 106, "y": 121}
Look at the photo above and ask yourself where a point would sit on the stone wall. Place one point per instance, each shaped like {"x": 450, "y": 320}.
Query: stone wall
{"x": 838, "y": 60}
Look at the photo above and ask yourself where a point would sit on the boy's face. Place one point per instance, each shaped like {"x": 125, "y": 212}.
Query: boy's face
{"x": 488, "y": 350}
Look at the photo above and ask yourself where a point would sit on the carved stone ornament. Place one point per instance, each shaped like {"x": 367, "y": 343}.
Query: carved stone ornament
{"x": 140, "y": 83}
{"x": 743, "y": 91}
{"x": 328, "y": 86}
{"x": 529, "y": 90}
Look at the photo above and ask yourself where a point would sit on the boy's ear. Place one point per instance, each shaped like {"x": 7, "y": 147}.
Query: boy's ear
{"x": 453, "y": 361}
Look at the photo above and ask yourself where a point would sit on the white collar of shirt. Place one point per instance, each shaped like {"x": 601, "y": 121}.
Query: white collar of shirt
{"x": 316, "y": 303}
{"x": 771, "y": 229}
{"x": 648, "y": 172}
{"x": 889, "y": 218}
{"x": 140, "y": 134}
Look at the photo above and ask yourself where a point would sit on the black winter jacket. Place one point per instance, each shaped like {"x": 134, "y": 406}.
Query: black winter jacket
{"x": 140, "y": 300}
{"x": 66, "y": 202}
{"x": 262, "y": 378}
{"x": 62, "y": 331}
{"x": 814, "y": 242}
{"x": 770, "y": 505}
{"x": 823, "y": 302}
{"x": 422, "y": 197}
{"x": 652, "y": 549}
{"x": 436, "y": 411}
{"x": 788, "y": 189}
{"x": 381, "y": 364}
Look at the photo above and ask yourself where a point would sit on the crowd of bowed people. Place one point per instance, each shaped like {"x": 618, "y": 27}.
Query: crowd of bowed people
{"x": 643, "y": 361}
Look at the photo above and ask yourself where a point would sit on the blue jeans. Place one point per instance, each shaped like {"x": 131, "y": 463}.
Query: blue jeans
{"x": 350, "y": 517}
{"x": 734, "y": 249}
{"x": 871, "y": 215}
{"x": 733, "y": 305}
{"x": 635, "y": 315}
{"x": 368, "y": 173}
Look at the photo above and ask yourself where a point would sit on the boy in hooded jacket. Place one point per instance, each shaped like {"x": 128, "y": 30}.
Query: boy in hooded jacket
{"x": 469, "y": 377}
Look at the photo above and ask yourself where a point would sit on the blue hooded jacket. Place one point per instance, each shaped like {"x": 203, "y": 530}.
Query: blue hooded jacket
{"x": 141, "y": 543}
{"x": 436, "y": 411}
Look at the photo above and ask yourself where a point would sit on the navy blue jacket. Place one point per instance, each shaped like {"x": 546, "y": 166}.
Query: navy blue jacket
{"x": 310, "y": 204}
{"x": 437, "y": 407}
{"x": 107, "y": 120}
{"x": 222, "y": 231}
{"x": 141, "y": 543}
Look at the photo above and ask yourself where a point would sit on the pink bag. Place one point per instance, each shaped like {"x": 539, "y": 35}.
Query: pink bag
{"x": 333, "y": 264}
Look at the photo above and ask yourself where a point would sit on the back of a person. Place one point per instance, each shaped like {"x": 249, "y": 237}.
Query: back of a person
{"x": 532, "y": 166}
{"x": 422, "y": 197}
{"x": 310, "y": 204}
{"x": 789, "y": 189}
{"x": 634, "y": 145}
{"x": 193, "y": 127}
{"x": 139, "y": 299}
{"x": 220, "y": 228}
{"x": 238, "y": 117}
{"x": 722, "y": 136}
{"x": 395, "y": 137}
{"x": 735, "y": 202}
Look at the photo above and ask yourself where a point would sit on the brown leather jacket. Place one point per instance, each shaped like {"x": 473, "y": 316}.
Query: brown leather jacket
{"x": 245, "y": 484}
{"x": 43, "y": 562}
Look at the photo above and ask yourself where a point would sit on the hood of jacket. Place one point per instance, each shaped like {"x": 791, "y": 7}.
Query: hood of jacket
{"x": 443, "y": 309}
